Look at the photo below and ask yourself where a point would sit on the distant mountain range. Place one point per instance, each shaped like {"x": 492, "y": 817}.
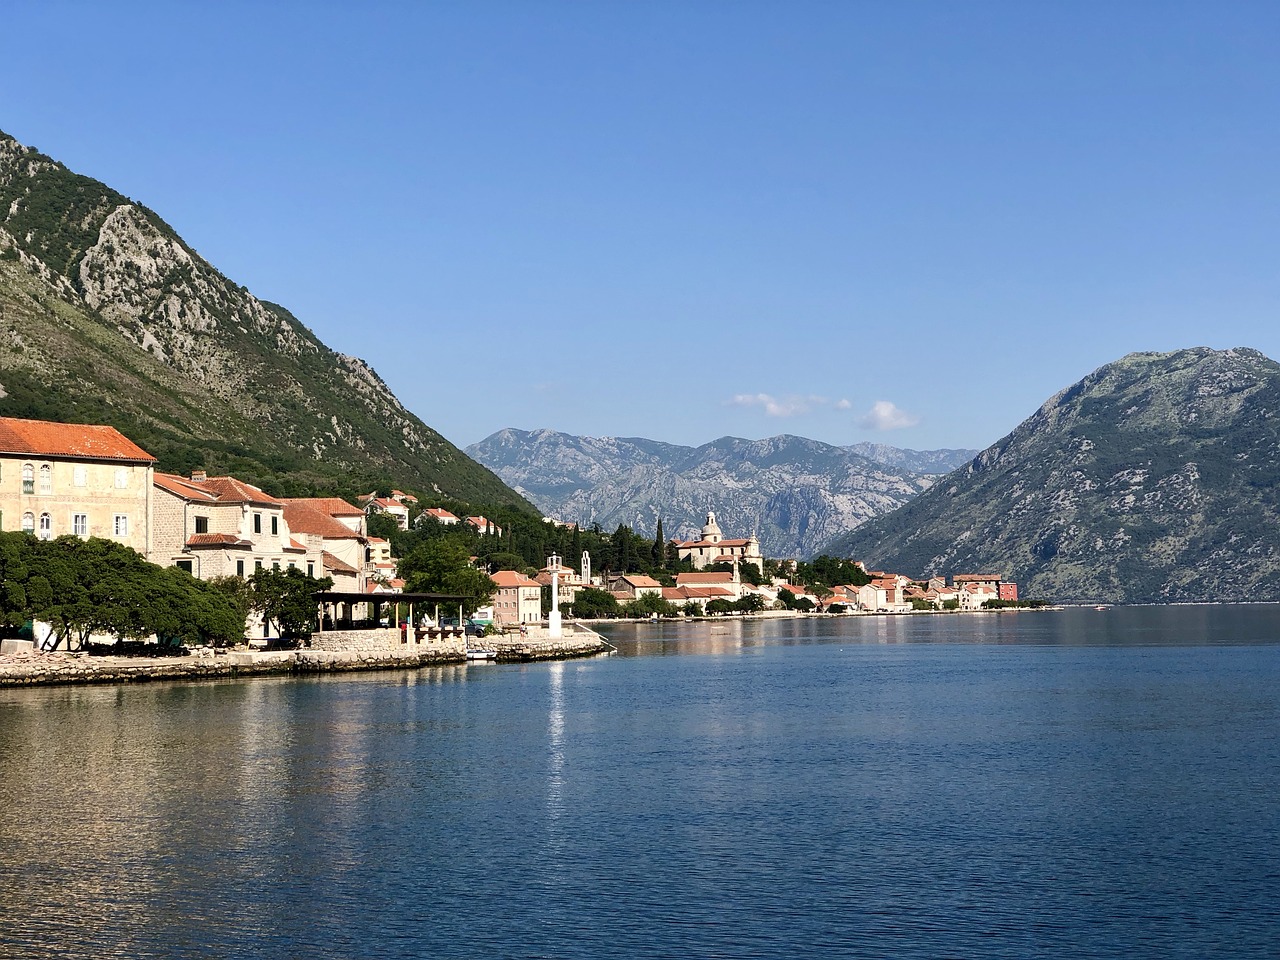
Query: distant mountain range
{"x": 1155, "y": 478}
{"x": 108, "y": 316}
{"x": 794, "y": 494}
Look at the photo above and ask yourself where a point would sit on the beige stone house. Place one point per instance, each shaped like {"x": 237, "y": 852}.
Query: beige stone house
{"x": 712, "y": 547}
{"x": 221, "y": 526}
{"x": 340, "y": 527}
{"x": 518, "y": 598}
{"x": 67, "y": 478}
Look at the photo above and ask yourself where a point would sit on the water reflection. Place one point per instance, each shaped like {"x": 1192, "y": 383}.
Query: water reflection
{"x": 1179, "y": 625}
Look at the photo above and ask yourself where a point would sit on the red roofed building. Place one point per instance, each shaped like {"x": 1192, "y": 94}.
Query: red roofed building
{"x": 518, "y": 598}
{"x": 438, "y": 514}
{"x": 78, "y": 479}
{"x": 341, "y": 529}
{"x": 392, "y": 508}
{"x": 712, "y": 547}
{"x": 221, "y": 526}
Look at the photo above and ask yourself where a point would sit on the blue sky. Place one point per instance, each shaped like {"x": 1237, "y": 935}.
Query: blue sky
{"x": 905, "y": 222}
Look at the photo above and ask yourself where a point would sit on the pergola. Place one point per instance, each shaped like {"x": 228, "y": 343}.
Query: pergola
{"x": 337, "y": 599}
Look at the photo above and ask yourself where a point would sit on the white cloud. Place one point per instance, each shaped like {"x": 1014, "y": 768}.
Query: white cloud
{"x": 885, "y": 415}
{"x": 779, "y": 406}
{"x": 843, "y": 405}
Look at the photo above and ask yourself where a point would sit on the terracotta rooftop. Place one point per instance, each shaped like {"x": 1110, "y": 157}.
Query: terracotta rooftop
{"x": 216, "y": 540}
{"x": 512, "y": 578}
{"x": 216, "y": 489}
{"x": 303, "y": 517}
{"x": 43, "y": 438}
{"x": 703, "y": 579}
{"x": 333, "y": 506}
{"x": 334, "y": 565}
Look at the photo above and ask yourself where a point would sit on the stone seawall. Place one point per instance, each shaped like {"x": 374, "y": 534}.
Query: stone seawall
{"x": 331, "y": 652}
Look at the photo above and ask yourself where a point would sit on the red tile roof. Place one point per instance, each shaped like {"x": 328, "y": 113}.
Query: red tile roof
{"x": 216, "y": 489}
{"x": 694, "y": 593}
{"x": 695, "y": 579}
{"x": 334, "y": 565}
{"x": 43, "y": 438}
{"x": 302, "y": 517}
{"x": 216, "y": 540}
{"x": 512, "y": 578}
{"x": 333, "y": 506}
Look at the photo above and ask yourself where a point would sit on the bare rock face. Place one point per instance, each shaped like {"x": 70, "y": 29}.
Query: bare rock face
{"x": 1155, "y": 478}
{"x": 101, "y": 297}
{"x": 794, "y": 494}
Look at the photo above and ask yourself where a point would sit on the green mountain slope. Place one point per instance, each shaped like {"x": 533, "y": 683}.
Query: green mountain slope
{"x": 1155, "y": 478}
{"x": 107, "y": 316}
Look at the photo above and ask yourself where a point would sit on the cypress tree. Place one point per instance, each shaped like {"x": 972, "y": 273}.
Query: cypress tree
{"x": 659, "y": 548}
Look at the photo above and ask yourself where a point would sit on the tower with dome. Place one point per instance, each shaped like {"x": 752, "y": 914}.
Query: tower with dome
{"x": 712, "y": 547}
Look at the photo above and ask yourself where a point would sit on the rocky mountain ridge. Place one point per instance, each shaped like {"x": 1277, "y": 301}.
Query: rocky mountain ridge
{"x": 1153, "y": 479}
{"x": 794, "y": 493}
{"x": 107, "y": 315}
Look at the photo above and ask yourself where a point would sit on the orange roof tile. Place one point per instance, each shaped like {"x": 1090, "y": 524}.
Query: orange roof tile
{"x": 302, "y": 517}
{"x": 512, "y": 578}
{"x": 43, "y": 438}
{"x": 694, "y": 579}
{"x": 335, "y": 565}
{"x": 216, "y": 540}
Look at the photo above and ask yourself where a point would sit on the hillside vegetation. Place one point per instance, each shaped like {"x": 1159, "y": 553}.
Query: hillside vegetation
{"x": 108, "y": 316}
{"x": 1155, "y": 478}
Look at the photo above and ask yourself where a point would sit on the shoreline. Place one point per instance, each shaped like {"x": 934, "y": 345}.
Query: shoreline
{"x": 77, "y": 669}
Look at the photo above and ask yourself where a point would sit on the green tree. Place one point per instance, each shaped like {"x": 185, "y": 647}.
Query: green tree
{"x": 383, "y": 525}
{"x": 594, "y": 604}
{"x": 659, "y": 548}
{"x": 444, "y": 566}
{"x": 648, "y": 605}
{"x": 286, "y": 598}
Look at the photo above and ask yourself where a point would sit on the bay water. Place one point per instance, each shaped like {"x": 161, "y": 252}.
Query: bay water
{"x": 1073, "y": 783}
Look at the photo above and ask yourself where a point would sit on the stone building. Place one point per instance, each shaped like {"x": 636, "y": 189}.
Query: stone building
{"x": 77, "y": 479}
{"x": 712, "y": 547}
{"x": 518, "y": 598}
{"x": 221, "y": 526}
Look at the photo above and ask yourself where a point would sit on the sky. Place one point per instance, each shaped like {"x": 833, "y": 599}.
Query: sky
{"x": 899, "y": 222}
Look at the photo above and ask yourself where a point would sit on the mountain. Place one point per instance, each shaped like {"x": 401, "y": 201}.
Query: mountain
{"x": 915, "y": 461}
{"x": 795, "y": 494}
{"x": 1155, "y": 478}
{"x": 108, "y": 316}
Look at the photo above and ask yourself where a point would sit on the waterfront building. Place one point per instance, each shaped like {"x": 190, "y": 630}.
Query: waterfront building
{"x": 712, "y": 547}
{"x": 222, "y": 526}
{"x": 342, "y": 531}
{"x": 633, "y": 586}
{"x": 518, "y": 598}
{"x": 78, "y": 479}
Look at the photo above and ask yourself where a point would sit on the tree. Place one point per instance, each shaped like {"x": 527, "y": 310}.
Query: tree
{"x": 749, "y": 603}
{"x": 444, "y": 566}
{"x": 382, "y": 525}
{"x": 647, "y": 605}
{"x": 594, "y": 604}
{"x": 659, "y": 549}
{"x": 787, "y": 599}
{"x": 287, "y": 599}
{"x": 719, "y": 605}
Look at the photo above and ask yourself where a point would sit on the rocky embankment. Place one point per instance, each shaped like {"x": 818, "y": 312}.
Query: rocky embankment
{"x": 33, "y": 669}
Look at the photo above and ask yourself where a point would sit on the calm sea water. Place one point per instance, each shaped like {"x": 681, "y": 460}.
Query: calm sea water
{"x": 1070, "y": 784}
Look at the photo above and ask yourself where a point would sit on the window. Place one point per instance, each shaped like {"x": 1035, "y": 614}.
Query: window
{"x": 79, "y": 476}
{"x": 257, "y": 523}
{"x": 80, "y": 524}
{"x": 257, "y": 565}
{"x": 187, "y": 565}
{"x": 121, "y": 526}
{"x": 28, "y": 478}
{"x": 202, "y": 524}
{"x": 275, "y": 565}
{"x": 28, "y": 523}
{"x": 122, "y": 478}
{"x": 46, "y": 527}
{"x": 239, "y": 568}
{"x": 275, "y": 526}
{"x": 46, "y": 478}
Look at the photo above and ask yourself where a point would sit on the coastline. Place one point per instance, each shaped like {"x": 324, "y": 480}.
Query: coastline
{"x": 378, "y": 652}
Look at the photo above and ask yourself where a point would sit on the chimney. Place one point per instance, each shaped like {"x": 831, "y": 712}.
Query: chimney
{"x": 199, "y": 476}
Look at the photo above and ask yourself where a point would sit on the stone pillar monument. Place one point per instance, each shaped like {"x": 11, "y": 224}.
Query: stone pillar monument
{"x": 554, "y": 630}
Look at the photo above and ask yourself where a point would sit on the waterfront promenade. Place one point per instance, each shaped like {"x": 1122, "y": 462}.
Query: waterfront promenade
{"x": 330, "y": 652}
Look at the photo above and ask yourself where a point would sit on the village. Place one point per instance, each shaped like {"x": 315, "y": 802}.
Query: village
{"x": 59, "y": 479}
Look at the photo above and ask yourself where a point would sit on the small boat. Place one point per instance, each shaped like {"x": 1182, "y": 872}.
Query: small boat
{"x": 481, "y": 654}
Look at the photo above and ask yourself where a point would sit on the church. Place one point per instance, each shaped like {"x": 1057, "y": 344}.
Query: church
{"x": 712, "y": 547}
